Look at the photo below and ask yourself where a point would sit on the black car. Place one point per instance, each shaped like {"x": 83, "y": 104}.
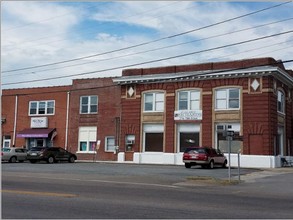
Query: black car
{"x": 50, "y": 154}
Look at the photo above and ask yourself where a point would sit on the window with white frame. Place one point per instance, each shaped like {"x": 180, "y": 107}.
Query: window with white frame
{"x": 88, "y": 104}
{"x": 42, "y": 107}
{"x": 189, "y": 100}
{"x": 281, "y": 102}
{"x": 110, "y": 143}
{"x": 6, "y": 141}
{"x": 87, "y": 139}
{"x": 228, "y": 98}
{"x": 154, "y": 102}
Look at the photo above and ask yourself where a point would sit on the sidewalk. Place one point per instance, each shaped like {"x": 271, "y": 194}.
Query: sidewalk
{"x": 251, "y": 177}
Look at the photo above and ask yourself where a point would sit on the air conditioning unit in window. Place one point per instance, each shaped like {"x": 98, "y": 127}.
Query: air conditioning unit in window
{"x": 129, "y": 142}
{"x": 220, "y": 127}
{"x": 224, "y": 127}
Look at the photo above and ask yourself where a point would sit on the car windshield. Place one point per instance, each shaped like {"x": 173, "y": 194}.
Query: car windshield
{"x": 6, "y": 150}
{"x": 195, "y": 150}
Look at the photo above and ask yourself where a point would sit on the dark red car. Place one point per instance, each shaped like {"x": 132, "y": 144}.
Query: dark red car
{"x": 206, "y": 157}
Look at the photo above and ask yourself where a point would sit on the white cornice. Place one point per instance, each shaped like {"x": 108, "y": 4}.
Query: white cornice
{"x": 207, "y": 74}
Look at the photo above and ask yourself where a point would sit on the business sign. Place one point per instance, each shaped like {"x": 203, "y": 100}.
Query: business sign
{"x": 39, "y": 122}
{"x": 188, "y": 115}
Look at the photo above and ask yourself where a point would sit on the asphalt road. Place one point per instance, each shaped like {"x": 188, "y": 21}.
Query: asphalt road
{"x": 128, "y": 191}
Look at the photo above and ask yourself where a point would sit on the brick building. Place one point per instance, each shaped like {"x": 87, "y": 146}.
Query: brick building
{"x": 94, "y": 120}
{"x": 165, "y": 109}
{"x": 153, "y": 114}
{"x": 82, "y": 118}
{"x": 34, "y": 116}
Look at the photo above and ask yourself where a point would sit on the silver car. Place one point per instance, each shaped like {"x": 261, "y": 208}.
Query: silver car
{"x": 13, "y": 154}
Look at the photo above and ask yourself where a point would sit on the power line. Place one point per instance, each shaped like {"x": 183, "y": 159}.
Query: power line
{"x": 254, "y": 49}
{"x": 116, "y": 85}
{"x": 161, "y": 48}
{"x": 145, "y": 12}
{"x": 153, "y": 61}
{"x": 153, "y": 41}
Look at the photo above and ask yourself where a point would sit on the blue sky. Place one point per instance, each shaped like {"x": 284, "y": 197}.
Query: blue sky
{"x": 39, "y": 33}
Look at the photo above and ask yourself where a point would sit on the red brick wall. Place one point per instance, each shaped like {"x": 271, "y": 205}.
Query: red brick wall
{"x": 203, "y": 66}
{"x": 58, "y": 93}
{"x": 105, "y": 120}
{"x": 259, "y": 110}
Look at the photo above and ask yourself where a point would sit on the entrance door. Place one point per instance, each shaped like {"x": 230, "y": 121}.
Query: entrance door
{"x": 36, "y": 142}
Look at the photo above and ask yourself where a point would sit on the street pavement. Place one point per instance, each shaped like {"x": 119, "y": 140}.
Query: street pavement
{"x": 134, "y": 191}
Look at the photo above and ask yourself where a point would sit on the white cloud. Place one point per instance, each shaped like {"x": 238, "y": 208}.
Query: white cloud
{"x": 53, "y": 32}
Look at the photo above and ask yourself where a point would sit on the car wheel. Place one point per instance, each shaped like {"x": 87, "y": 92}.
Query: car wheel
{"x": 187, "y": 165}
{"x": 211, "y": 165}
{"x": 71, "y": 159}
{"x": 50, "y": 159}
{"x": 224, "y": 164}
{"x": 12, "y": 160}
{"x": 33, "y": 161}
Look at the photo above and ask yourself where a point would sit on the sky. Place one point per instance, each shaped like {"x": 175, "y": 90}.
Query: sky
{"x": 50, "y": 43}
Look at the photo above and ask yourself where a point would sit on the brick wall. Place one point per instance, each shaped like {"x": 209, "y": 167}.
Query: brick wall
{"x": 105, "y": 120}
{"x": 58, "y": 120}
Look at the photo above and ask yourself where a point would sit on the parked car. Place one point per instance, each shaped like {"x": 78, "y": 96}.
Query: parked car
{"x": 50, "y": 154}
{"x": 13, "y": 154}
{"x": 203, "y": 156}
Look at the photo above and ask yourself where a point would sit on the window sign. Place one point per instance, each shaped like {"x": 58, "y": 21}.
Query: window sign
{"x": 188, "y": 115}
{"x": 39, "y": 122}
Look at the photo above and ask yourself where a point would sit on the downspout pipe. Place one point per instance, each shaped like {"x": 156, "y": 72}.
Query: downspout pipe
{"x": 67, "y": 117}
{"x": 15, "y": 119}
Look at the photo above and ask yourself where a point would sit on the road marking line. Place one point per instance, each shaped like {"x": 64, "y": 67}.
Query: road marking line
{"x": 103, "y": 181}
{"x": 38, "y": 193}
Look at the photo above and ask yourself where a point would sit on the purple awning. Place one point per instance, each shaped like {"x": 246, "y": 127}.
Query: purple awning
{"x": 35, "y": 133}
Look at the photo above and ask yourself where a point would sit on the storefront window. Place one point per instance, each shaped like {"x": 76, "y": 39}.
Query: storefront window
{"x": 188, "y": 140}
{"x": 154, "y": 142}
{"x": 153, "y": 137}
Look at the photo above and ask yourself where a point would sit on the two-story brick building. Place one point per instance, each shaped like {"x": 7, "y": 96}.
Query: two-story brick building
{"x": 153, "y": 114}
{"x": 94, "y": 120}
{"x": 166, "y": 109}
{"x": 82, "y": 118}
{"x": 34, "y": 116}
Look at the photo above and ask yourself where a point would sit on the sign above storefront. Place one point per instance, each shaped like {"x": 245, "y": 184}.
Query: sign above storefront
{"x": 39, "y": 122}
{"x": 188, "y": 115}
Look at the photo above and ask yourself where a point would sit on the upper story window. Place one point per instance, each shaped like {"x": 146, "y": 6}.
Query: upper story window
{"x": 189, "y": 100}
{"x": 88, "y": 104}
{"x": 228, "y": 98}
{"x": 281, "y": 102}
{"x": 154, "y": 102}
{"x": 42, "y": 107}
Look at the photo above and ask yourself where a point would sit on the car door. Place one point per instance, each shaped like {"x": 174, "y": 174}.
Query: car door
{"x": 214, "y": 155}
{"x": 63, "y": 155}
{"x": 21, "y": 154}
{"x": 220, "y": 157}
{"x": 58, "y": 154}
